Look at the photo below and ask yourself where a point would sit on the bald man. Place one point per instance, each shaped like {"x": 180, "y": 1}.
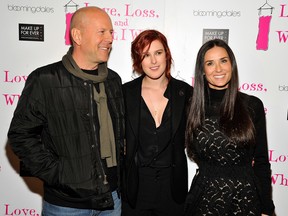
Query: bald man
{"x": 68, "y": 127}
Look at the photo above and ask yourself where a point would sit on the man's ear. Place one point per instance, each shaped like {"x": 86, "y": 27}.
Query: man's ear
{"x": 76, "y": 36}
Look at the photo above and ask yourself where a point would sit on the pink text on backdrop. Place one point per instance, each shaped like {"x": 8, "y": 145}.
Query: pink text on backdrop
{"x": 11, "y": 99}
{"x": 140, "y": 12}
{"x": 121, "y": 34}
{"x": 277, "y": 158}
{"x": 259, "y": 87}
{"x": 14, "y": 79}
{"x": 279, "y": 179}
{"x": 10, "y": 211}
{"x": 283, "y": 34}
{"x": 283, "y": 12}
{"x": 125, "y": 33}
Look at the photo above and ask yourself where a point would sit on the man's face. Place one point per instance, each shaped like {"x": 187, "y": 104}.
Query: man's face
{"x": 97, "y": 38}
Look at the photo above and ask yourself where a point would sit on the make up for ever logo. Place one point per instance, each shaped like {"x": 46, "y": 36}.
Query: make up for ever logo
{"x": 266, "y": 12}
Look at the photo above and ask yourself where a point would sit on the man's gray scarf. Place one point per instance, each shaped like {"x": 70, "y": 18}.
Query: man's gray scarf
{"x": 107, "y": 140}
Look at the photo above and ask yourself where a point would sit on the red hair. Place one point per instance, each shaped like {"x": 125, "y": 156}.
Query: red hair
{"x": 143, "y": 40}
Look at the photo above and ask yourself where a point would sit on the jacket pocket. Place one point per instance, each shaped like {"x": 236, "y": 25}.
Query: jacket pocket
{"x": 75, "y": 177}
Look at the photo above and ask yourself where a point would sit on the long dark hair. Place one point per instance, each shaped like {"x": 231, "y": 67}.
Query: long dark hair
{"x": 235, "y": 120}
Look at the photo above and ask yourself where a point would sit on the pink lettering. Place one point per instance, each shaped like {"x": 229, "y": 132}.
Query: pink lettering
{"x": 274, "y": 179}
{"x": 282, "y": 10}
{"x": 124, "y": 34}
{"x": 134, "y": 33}
{"x": 283, "y": 36}
{"x": 280, "y": 158}
{"x": 23, "y": 211}
{"x": 121, "y": 23}
{"x": 271, "y": 156}
{"x": 282, "y": 180}
{"x": 11, "y": 98}
{"x": 252, "y": 87}
{"x": 110, "y": 11}
{"x": 15, "y": 79}
{"x": 140, "y": 12}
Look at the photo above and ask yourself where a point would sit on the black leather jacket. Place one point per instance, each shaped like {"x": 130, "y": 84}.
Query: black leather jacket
{"x": 53, "y": 133}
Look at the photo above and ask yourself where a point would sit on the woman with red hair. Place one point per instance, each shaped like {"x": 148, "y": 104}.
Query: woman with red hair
{"x": 155, "y": 172}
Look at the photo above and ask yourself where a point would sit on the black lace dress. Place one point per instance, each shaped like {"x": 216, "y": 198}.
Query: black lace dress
{"x": 226, "y": 183}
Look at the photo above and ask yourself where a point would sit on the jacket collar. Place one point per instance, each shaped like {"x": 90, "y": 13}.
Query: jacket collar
{"x": 133, "y": 100}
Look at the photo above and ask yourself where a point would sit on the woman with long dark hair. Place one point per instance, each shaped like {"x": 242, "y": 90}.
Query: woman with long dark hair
{"x": 226, "y": 137}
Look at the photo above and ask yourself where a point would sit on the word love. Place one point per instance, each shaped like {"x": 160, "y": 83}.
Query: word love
{"x": 24, "y": 211}
{"x": 14, "y": 79}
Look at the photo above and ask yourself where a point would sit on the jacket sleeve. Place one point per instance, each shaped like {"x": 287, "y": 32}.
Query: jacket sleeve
{"x": 26, "y": 132}
{"x": 261, "y": 161}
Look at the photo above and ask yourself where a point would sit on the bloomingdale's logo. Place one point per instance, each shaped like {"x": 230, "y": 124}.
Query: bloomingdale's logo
{"x": 218, "y": 14}
{"x": 32, "y": 9}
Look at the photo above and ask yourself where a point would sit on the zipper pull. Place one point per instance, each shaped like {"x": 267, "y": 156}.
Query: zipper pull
{"x": 105, "y": 180}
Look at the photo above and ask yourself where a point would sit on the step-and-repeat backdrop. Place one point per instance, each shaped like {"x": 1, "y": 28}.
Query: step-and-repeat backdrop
{"x": 34, "y": 33}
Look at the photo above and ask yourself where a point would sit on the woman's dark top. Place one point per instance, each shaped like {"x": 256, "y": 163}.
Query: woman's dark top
{"x": 235, "y": 179}
{"x": 154, "y": 149}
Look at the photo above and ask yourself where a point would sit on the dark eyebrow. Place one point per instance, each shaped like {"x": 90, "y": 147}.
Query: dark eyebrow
{"x": 208, "y": 61}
